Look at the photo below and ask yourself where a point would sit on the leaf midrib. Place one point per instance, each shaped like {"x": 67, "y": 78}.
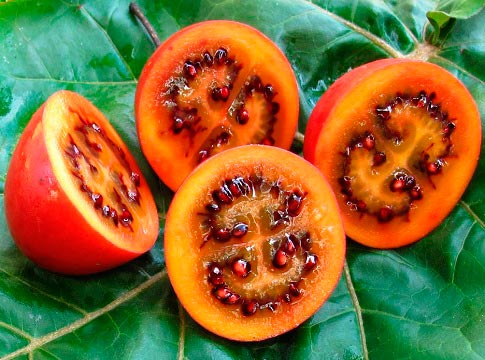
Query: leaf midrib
{"x": 37, "y": 343}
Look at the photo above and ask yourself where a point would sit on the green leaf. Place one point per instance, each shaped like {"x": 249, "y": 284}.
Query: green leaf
{"x": 444, "y": 16}
{"x": 425, "y": 301}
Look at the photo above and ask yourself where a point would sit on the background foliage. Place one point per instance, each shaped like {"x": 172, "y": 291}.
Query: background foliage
{"x": 425, "y": 301}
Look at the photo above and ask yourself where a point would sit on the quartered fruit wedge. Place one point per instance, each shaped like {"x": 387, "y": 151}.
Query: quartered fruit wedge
{"x": 254, "y": 242}
{"x": 209, "y": 87}
{"x": 399, "y": 141}
{"x": 76, "y": 202}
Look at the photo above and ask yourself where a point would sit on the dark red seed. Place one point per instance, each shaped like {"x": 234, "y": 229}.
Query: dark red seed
{"x": 216, "y": 279}
{"x": 215, "y": 269}
{"x": 221, "y": 292}
{"x": 125, "y": 217}
{"x": 275, "y": 108}
{"x": 178, "y": 125}
{"x": 215, "y": 94}
{"x": 106, "y": 210}
{"x": 222, "y": 196}
{"x": 250, "y": 307}
{"x": 97, "y": 200}
{"x": 113, "y": 214}
{"x": 203, "y": 155}
{"x": 223, "y": 138}
{"x": 269, "y": 92}
{"x": 306, "y": 241}
{"x": 434, "y": 168}
{"x": 280, "y": 259}
{"x": 242, "y": 116}
{"x": 369, "y": 142}
{"x": 384, "y": 113}
{"x": 310, "y": 261}
{"x": 275, "y": 191}
{"x": 135, "y": 177}
{"x": 239, "y": 230}
{"x": 232, "y": 299}
{"x": 224, "y": 93}
{"x": 294, "y": 202}
{"x": 449, "y": 128}
{"x": 234, "y": 188}
{"x": 207, "y": 58}
{"x": 345, "y": 181}
{"x": 256, "y": 83}
{"x": 134, "y": 196}
{"x": 222, "y": 235}
{"x": 385, "y": 214}
{"x": 361, "y": 205}
{"x": 293, "y": 289}
{"x": 286, "y": 298}
{"x": 397, "y": 185}
{"x": 268, "y": 141}
{"x": 189, "y": 69}
{"x": 215, "y": 274}
{"x": 220, "y": 56}
{"x": 416, "y": 193}
{"x": 379, "y": 158}
{"x": 289, "y": 245}
{"x": 212, "y": 208}
{"x": 241, "y": 268}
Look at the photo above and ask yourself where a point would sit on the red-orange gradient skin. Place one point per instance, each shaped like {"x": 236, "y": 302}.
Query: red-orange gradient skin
{"x": 46, "y": 225}
{"x": 349, "y": 101}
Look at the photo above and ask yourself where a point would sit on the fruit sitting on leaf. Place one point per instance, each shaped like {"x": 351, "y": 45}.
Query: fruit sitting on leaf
{"x": 76, "y": 202}
{"x": 254, "y": 242}
{"x": 399, "y": 141}
{"x": 209, "y": 87}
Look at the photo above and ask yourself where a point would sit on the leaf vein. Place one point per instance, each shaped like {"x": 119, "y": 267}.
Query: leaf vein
{"x": 103, "y": 30}
{"x": 50, "y": 296}
{"x": 358, "y": 310}
{"x": 38, "y": 342}
{"x": 472, "y": 214}
{"x": 181, "y": 344}
{"x": 370, "y": 36}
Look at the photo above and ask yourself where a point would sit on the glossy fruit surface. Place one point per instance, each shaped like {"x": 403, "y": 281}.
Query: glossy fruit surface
{"x": 399, "y": 141}
{"x": 206, "y": 89}
{"x": 75, "y": 200}
{"x": 254, "y": 242}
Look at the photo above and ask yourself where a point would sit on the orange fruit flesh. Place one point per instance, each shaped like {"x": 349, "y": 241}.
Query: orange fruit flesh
{"x": 98, "y": 174}
{"x": 251, "y": 54}
{"x": 189, "y": 250}
{"x": 420, "y": 136}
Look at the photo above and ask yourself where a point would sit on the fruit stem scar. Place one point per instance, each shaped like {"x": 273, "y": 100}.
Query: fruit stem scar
{"x": 138, "y": 13}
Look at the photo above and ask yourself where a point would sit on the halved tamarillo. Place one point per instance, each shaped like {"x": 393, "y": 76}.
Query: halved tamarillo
{"x": 399, "y": 141}
{"x": 254, "y": 242}
{"x": 209, "y": 87}
{"x": 76, "y": 202}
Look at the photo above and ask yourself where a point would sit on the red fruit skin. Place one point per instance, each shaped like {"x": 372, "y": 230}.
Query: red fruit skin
{"x": 44, "y": 224}
{"x": 339, "y": 90}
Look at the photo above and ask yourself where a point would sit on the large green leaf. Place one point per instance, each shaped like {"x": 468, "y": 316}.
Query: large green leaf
{"x": 426, "y": 301}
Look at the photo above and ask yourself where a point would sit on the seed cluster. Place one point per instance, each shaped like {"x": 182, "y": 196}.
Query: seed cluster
{"x": 118, "y": 212}
{"x": 402, "y": 180}
{"x": 283, "y": 250}
{"x": 290, "y": 246}
{"x": 188, "y": 120}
